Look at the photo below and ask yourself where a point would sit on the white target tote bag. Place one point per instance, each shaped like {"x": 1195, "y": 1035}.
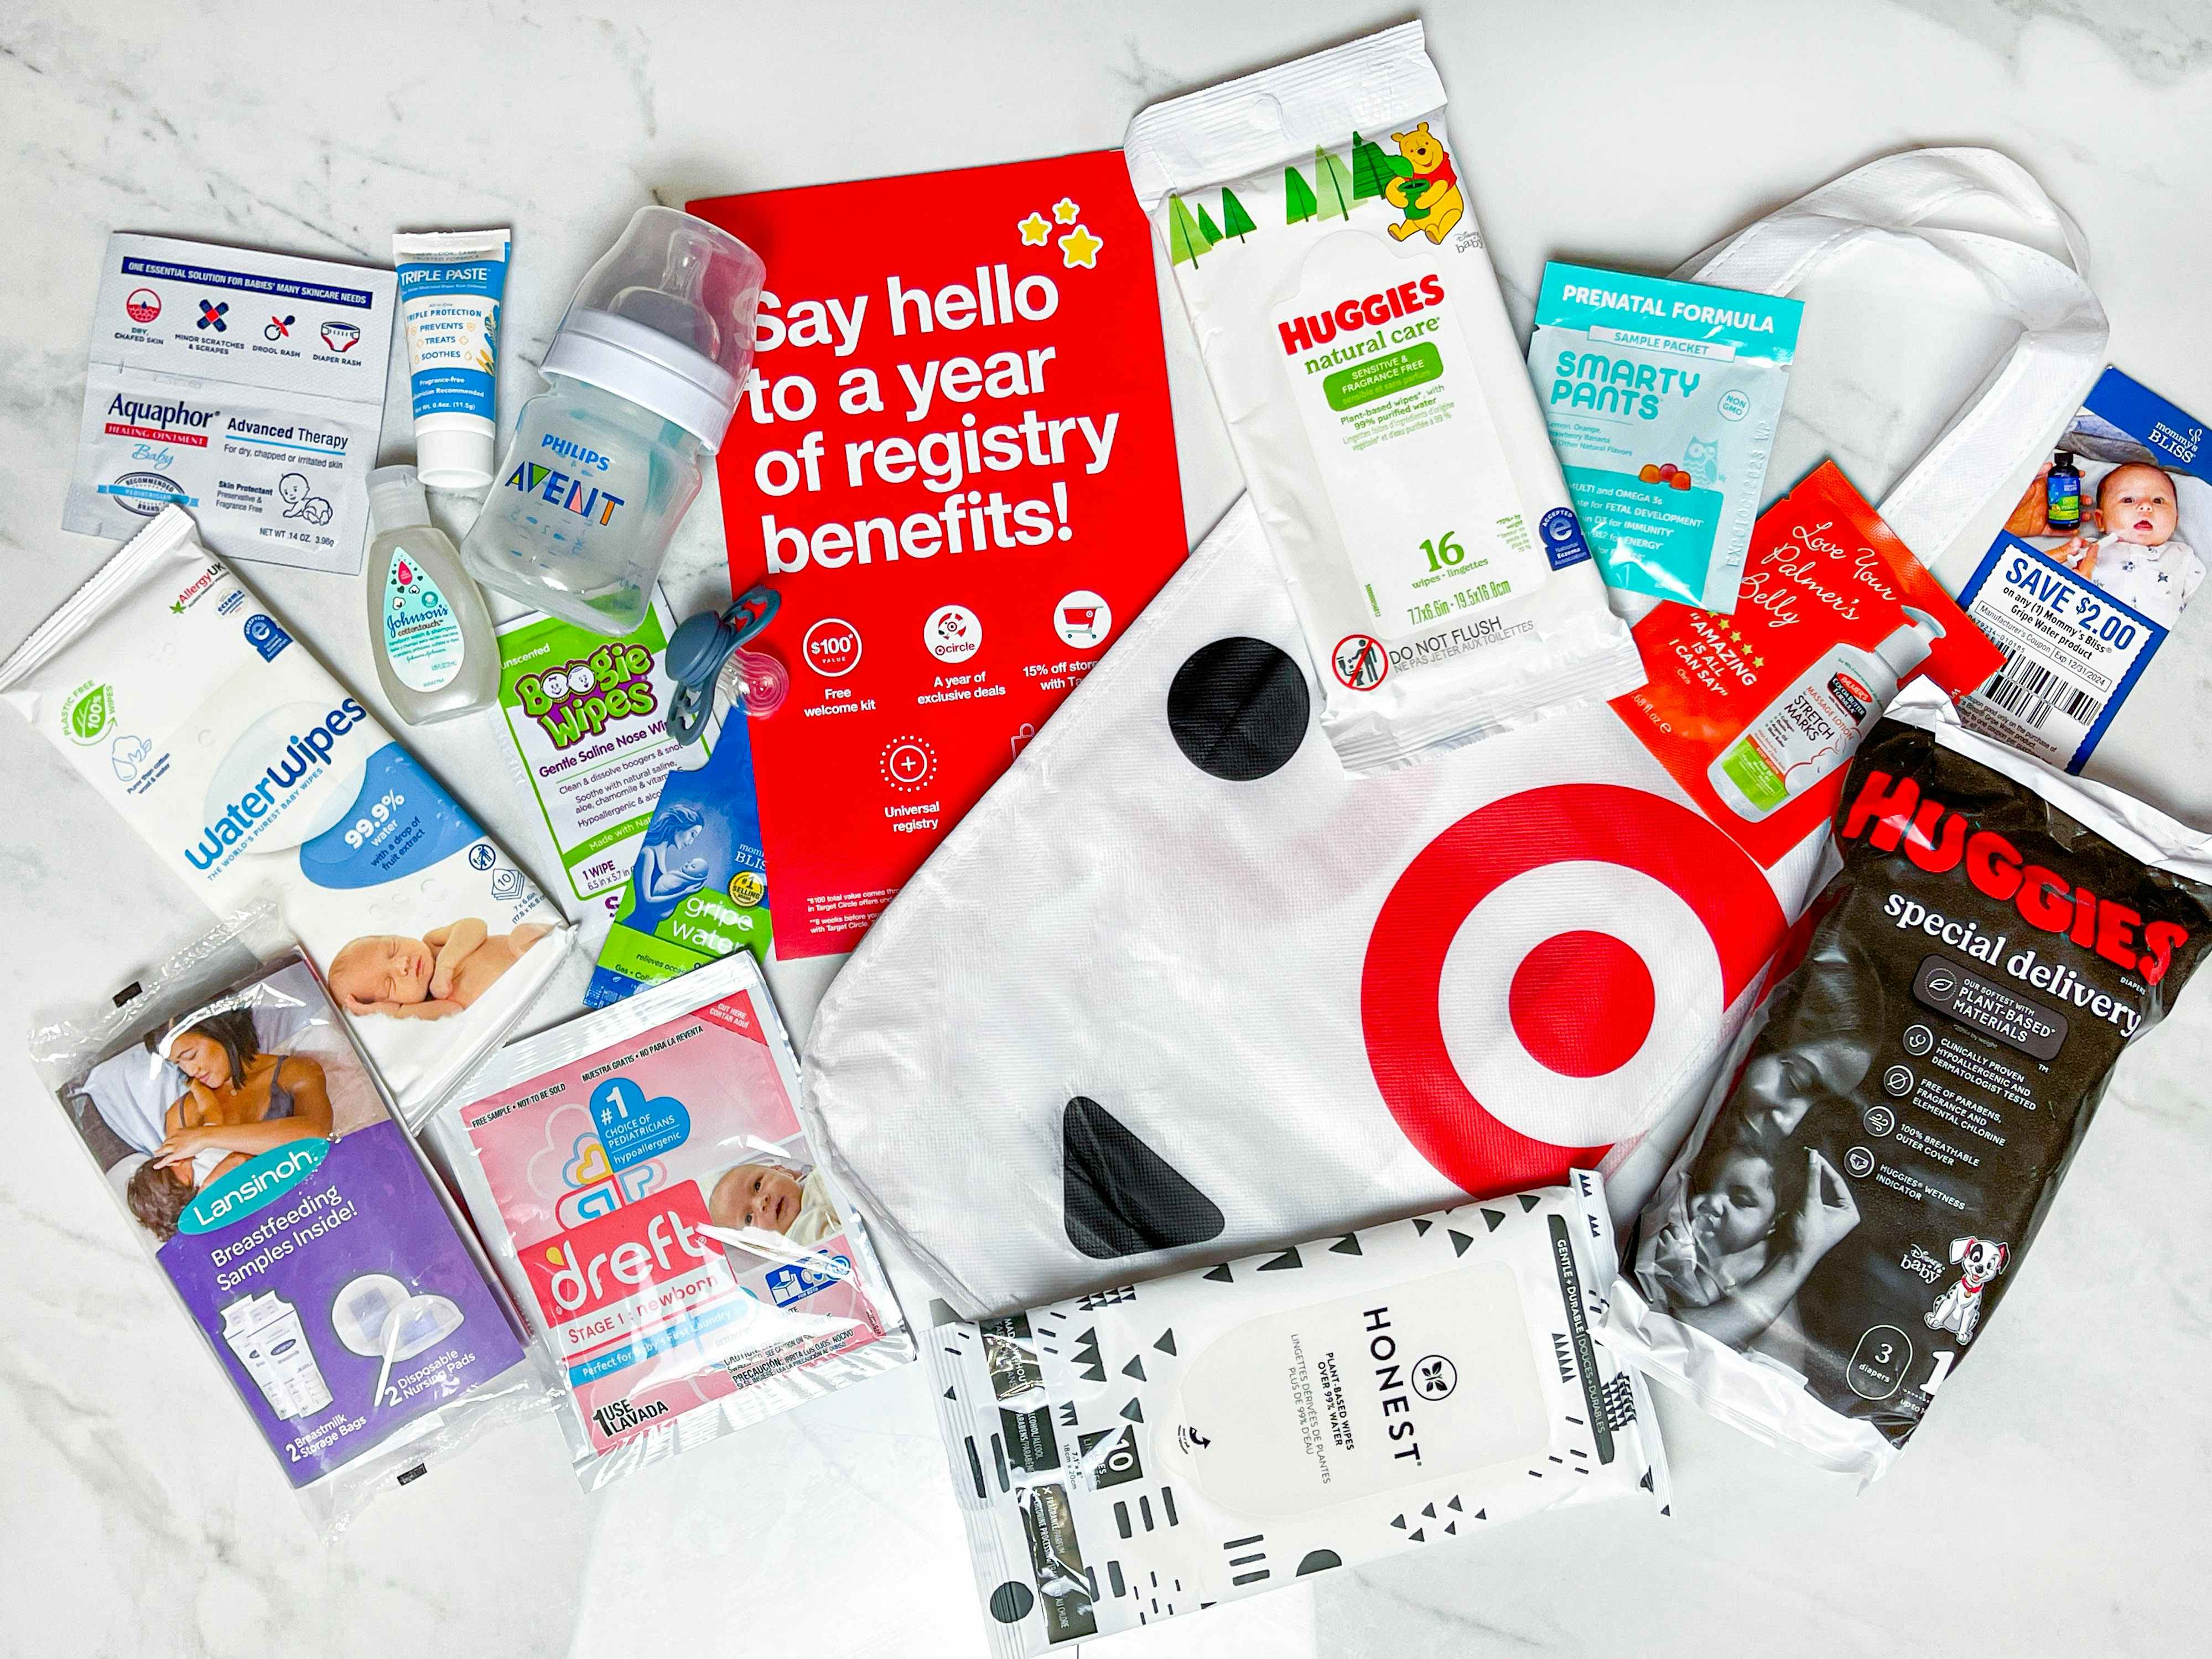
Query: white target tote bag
{"x": 1181, "y": 987}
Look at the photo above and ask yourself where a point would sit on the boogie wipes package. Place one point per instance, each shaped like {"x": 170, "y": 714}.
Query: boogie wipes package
{"x": 1869, "y": 1176}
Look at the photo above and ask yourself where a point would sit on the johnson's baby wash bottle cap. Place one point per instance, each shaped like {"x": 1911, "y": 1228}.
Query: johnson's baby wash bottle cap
{"x": 665, "y": 321}
{"x": 1907, "y": 647}
{"x": 396, "y": 499}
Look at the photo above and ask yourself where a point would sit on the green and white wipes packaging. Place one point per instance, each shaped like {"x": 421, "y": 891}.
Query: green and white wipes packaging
{"x": 1662, "y": 399}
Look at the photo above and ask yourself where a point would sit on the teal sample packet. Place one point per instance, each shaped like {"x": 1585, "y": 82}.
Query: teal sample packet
{"x": 1662, "y": 399}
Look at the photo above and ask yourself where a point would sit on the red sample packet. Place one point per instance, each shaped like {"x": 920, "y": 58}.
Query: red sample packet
{"x": 1824, "y": 571}
{"x": 957, "y": 465}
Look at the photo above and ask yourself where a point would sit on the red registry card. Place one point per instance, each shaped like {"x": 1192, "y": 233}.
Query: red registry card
{"x": 955, "y": 461}
{"x": 1824, "y": 570}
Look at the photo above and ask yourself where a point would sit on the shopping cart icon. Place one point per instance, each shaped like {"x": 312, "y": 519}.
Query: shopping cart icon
{"x": 1080, "y": 619}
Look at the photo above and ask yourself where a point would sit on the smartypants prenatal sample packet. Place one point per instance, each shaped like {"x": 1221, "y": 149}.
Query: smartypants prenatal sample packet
{"x": 642, "y": 1179}
{"x": 240, "y": 1129}
{"x": 1149, "y": 1449}
{"x": 246, "y": 386}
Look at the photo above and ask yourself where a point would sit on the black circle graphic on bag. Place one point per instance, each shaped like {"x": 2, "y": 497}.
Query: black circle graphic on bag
{"x": 1238, "y": 708}
{"x": 1011, "y": 1601}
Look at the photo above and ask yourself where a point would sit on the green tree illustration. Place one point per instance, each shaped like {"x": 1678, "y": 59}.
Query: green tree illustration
{"x": 1206, "y": 223}
{"x": 1297, "y": 197}
{"x": 1332, "y": 185}
{"x": 1186, "y": 241}
{"x": 1234, "y": 222}
{"x": 1369, "y": 170}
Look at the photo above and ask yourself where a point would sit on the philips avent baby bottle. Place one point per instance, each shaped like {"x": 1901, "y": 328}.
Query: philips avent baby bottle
{"x": 644, "y": 375}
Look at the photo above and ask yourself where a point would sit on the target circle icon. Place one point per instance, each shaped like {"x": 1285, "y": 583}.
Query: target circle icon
{"x": 1567, "y": 951}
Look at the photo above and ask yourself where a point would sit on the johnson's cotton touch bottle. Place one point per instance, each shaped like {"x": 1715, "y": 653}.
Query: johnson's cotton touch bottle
{"x": 427, "y": 627}
{"x": 1815, "y": 725}
{"x": 644, "y": 375}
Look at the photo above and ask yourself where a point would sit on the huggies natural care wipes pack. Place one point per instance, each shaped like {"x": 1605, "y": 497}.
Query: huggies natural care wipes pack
{"x": 1356, "y": 341}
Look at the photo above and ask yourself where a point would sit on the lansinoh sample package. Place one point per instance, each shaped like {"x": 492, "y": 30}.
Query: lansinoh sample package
{"x": 246, "y": 768}
{"x": 234, "y": 1120}
{"x": 1376, "y": 397}
{"x": 1663, "y": 399}
{"x": 647, "y": 1191}
{"x": 1864, "y": 1185}
{"x": 1153, "y": 1449}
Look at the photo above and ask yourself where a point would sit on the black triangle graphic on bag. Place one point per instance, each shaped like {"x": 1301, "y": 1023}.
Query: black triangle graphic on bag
{"x": 1421, "y": 1225}
{"x": 1528, "y": 1201}
{"x": 1133, "y": 1412}
{"x": 1451, "y": 1526}
{"x": 1221, "y": 1275}
{"x": 949, "y": 1394}
{"x": 1166, "y": 1344}
{"x": 1135, "y": 1368}
{"x": 1290, "y": 1258}
{"x": 1399, "y": 1521}
{"x": 1495, "y": 1217}
{"x": 1119, "y": 1197}
{"x": 1646, "y": 1481}
{"x": 1430, "y": 1511}
{"x": 1419, "y": 1534}
{"x": 1087, "y": 1364}
{"x": 1460, "y": 1241}
{"x": 1454, "y": 1504}
{"x": 1484, "y": 1514}
{"x": 1348, "y": 1245}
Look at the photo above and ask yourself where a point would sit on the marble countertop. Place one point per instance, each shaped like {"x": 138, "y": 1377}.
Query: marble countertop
{"x": 2058, "y": 1501}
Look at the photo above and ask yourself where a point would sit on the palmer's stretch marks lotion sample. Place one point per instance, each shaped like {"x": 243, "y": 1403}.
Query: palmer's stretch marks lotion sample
{"x": 1152, "y": 1449}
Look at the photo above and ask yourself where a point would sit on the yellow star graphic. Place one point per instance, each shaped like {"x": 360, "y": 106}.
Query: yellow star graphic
{"x": 1759, "y": 662}
{"x": 1065, "y": 210}
{"x": 1036, "y": 230}
{"x": 1080, "y": 247}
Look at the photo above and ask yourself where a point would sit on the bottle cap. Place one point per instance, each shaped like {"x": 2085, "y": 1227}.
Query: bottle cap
{"x": 664, "y": 319}
{"x": 396, "y": 499}
{"x": 453, "y": 452}
{"x": 1906, "y": 648}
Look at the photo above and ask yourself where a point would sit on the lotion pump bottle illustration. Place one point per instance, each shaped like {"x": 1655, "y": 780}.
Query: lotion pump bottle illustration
{"x": 1815, "y": 725}
{"x": 427, "y": 627}
{"x": 643, "y": 377}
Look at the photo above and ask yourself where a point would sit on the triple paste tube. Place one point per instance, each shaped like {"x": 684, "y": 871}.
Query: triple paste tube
{"x": 449, "y": 288}
{"x": 1151, "y": 1449}
{"x": 1353, "y": 330}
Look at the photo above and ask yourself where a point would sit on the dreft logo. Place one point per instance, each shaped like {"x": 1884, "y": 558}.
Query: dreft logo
{"x": 664, "y": 1247}
{"x": 304, "y": 756}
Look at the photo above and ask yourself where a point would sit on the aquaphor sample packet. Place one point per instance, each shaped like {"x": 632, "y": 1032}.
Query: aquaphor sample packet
{"x": 236, "y": 1122}
{"x": 642, "y": 1179}
{"x": 1378, "y": 399}
{"x": 173, "y": 690}
{"x": 1662, "y": 399}
{"x": 246, "y": 386}
{"x": 1151, "y": 1449}
{"x": 1862, "y": 1191}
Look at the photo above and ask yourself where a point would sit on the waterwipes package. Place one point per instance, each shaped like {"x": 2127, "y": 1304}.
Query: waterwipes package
{"x": 246, "y": 386}
{"x": 1377, "y": 400}
{"x": 1662, "y": 399}
{"x": 237, "y": 1125}
{"x": 1153, "y": 1449}
{"x": 646, "y": 1192}
{"x": 177, "y": 695}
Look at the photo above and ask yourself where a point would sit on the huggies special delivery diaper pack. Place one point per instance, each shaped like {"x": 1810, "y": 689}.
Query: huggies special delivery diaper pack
{"x": 1377, "y": 400}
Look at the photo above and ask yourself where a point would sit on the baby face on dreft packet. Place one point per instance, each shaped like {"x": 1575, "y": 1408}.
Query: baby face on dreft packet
{"x": 443, "y": 972}
{"x": 776, "y": 1200}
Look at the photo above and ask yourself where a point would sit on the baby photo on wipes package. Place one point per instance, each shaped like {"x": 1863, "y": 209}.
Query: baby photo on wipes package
{"x": 1662, "y": 399}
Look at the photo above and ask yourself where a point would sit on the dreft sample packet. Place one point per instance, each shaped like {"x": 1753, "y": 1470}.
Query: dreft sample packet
{"x": 246, "y": 386}
{"x": 1862, "y": 1191}
{"x": 1151, "y": 1449}
{"x": 178, "y": 696}
{"x": 1663, "y": 399}
{"x": 2092, "y": 571}
{"x": 239, "y": 1127}
{"x": 647, "y": 1193}
{"x": 1378, "y": 399}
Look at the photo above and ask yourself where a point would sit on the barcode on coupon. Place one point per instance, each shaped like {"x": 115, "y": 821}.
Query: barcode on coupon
{"x": 2032, "y": 693}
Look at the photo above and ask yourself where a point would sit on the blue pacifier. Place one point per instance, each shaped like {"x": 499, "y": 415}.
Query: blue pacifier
{"x": 697, "y": 651}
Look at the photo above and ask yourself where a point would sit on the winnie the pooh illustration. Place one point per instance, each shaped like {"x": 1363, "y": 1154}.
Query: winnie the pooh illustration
{"x": 1430, "y": 197}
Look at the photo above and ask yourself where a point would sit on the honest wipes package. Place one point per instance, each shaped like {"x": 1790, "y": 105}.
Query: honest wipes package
{"x": 1320, "y": 235}
{"x": 1153, "y": 1449}
{"x": 247, "y": 386}
{"x": 178, "y": 696}
{"x": 642, "y": 1179}
{"x": 1662, "y": 399}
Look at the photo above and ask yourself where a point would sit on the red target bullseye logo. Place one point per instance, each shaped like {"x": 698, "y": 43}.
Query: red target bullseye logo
{"x": 1580, "y": 1002}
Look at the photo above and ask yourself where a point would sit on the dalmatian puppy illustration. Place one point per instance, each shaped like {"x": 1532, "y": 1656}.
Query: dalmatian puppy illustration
{"x": 1960, "y": 1308}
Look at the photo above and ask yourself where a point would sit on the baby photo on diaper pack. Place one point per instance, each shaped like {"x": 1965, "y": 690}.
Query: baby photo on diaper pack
{"x": 649, "y": 1195}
